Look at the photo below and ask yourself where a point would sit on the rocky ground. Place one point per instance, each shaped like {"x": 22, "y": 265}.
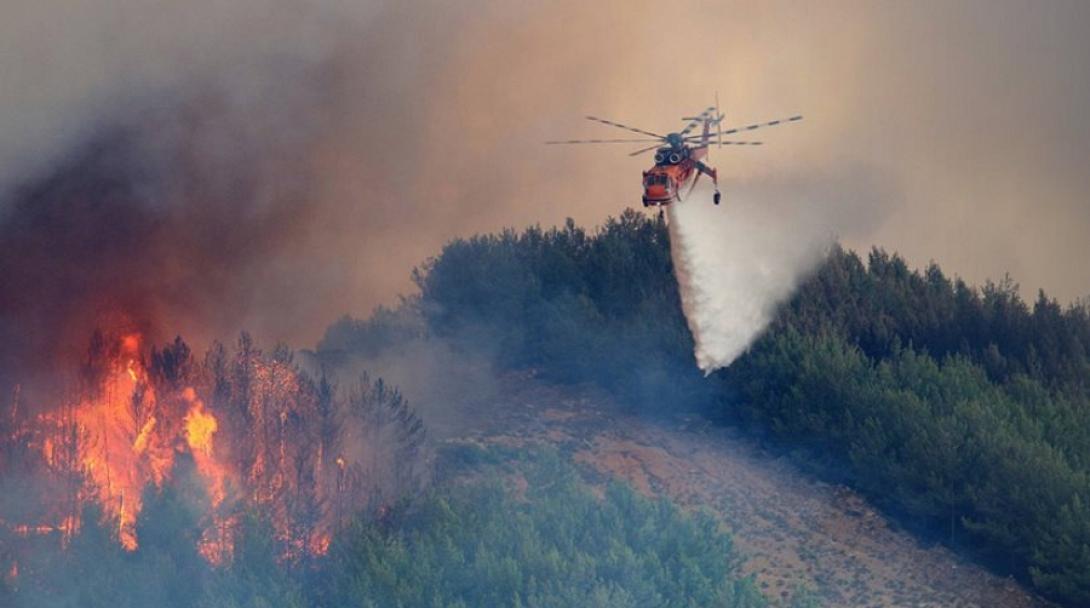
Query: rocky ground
{"x": 793, "y": 530}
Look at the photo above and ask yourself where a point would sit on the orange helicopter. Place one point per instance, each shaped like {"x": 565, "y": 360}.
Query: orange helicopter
{"x": 678, "y": 155}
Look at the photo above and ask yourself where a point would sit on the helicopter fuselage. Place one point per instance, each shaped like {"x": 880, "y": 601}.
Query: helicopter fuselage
{"x": 675, "y": 166}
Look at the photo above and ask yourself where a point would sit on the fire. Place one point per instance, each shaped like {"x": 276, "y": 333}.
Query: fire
{"x": 116, "y": 452}
{"x": 130, "y": 441}
{"x": 48, "y": 451}
{"x": 141, "y": 442}
{"x": 320, "y": 544}
{"x": 200, "y": 427}
{"x": 258, "y": 435}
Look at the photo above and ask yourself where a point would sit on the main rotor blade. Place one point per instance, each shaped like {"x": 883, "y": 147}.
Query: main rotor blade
{"x": 641, "y": 151}
{"x": 697, "y": 120}
{"x": 620, "y": 126}
{"x": 731, "y": 143}
{"x": 602, "y": 141}
{"x": 771, "y": 123}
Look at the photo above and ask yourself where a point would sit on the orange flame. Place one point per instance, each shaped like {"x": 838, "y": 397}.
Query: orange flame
{"x": 112, "y": 454}
{"x": 200, "y": 428}
{"x": 126, "y": 430}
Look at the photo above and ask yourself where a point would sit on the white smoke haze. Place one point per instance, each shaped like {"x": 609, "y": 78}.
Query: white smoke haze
{"x": 737, "y": 262}
{"x": 452, "y": 390}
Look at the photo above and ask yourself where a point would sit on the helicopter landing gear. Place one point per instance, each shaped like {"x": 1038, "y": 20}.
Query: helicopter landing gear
{"x": 716, "y": 197}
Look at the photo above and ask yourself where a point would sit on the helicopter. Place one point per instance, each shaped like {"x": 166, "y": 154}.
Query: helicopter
{"x": 679, "y": 156}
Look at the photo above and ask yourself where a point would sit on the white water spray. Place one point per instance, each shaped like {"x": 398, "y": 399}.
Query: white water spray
{"x": 737, "y": 261}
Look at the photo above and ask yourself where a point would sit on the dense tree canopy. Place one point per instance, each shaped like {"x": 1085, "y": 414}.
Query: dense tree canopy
{"x": 556, "y": 544}
{"x": 962, "y": 411}
{"x": 471, "y": 542}
{"x": 958, "y": 409}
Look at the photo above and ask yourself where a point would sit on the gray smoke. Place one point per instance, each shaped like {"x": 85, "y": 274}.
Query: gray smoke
{"x": 411, "y": 123}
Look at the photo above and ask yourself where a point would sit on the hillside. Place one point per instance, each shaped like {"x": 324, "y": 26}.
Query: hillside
{"x": 793, "y": 532}
{"x": 894, "y": 437}
{"x": 959, "y": 412}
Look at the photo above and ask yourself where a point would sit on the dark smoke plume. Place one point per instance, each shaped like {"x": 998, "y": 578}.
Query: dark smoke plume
{"x": 163, "y": 223}
{"x": 330, "y": 146}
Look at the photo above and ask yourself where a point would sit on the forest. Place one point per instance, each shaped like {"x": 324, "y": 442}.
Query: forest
{"x": 321, "y": 496}
{"x": 962, "y": 411}
{"x": 463, "y": 543}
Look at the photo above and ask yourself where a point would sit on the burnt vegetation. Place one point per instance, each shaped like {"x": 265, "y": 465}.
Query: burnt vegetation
{"x": 469, "y": 541}
{"x": 230, "y": 457}
{"x": 305, "y": 463}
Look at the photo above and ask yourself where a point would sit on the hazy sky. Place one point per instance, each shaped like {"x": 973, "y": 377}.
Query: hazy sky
{"x": 947, "y": 131}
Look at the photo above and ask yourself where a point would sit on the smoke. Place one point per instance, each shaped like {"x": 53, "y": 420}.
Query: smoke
{"x": 735, "y": 263}
{"x": 287, "y": 161}
{"x": 164, "y": 223}
{"x": 451, "y": 389}
{"x": 262, "y": 164}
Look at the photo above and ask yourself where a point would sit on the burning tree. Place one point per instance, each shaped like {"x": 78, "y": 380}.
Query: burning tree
{"x": 249, "y": 430}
